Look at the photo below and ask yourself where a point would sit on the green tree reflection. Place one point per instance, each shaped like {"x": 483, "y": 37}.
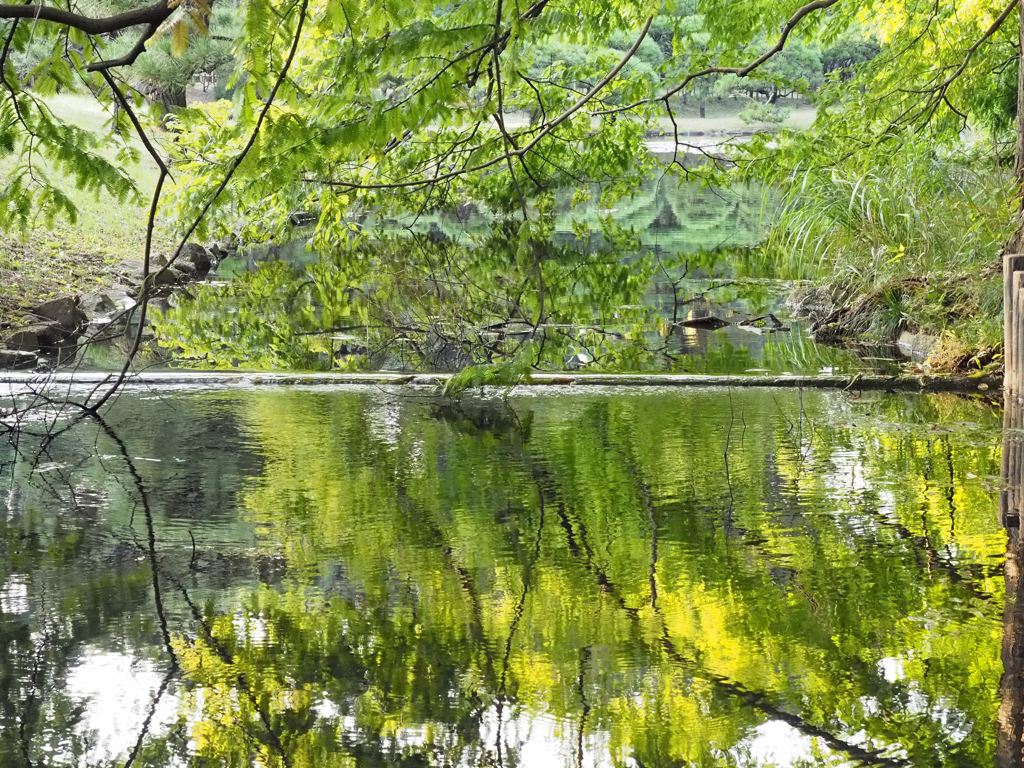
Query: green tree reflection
{"x": 691, "y": 578}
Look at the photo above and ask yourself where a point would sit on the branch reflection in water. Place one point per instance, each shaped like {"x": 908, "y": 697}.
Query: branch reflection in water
{"x": 360, "y": 577}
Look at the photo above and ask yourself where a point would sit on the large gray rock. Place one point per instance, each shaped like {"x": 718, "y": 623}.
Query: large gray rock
{"x": 103, "y": 306}
{"x": 121, "y": 297}
{"x": 224, "y": 248}
{"x": 133, "y": 274}
{"x": 185, "y": 270}
{"x": 97, "y": 304}
{"x": 156, "y": 305}
{"x": 134, "y": 267}
{"x": 16, "y": 359}
{"x": 197, "y": 256}
{"x": 36, "y": 336}
{"x": 163, "y": 278}
{"x": 64, "y": 311}
{"x": 917, "y": 346}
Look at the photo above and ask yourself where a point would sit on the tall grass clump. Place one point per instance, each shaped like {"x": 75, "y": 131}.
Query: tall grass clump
{"x": 913, "y": 243}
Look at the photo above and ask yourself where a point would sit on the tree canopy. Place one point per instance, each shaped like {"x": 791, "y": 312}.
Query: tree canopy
{"x": 350, "y": 108}
{"x": 409, "y": 105}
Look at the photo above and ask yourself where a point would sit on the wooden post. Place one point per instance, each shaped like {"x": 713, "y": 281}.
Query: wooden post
{"x": 1010, "y": 716}
{"x": 1013, "y": 355}
{"x": 1013, "y": 320}
{"x": 1010, "y": 497}
{"x": 1017, "y": 333}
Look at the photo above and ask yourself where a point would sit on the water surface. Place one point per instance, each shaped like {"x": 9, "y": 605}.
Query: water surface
{"x": 693, "y": 260}
{"x": 369, "y": 577}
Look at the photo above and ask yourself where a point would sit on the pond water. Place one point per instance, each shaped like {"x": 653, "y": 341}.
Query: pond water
{"x": 699, "y": 238}
{"x": 370, "y": 577}
{"x": 670, "y": 216}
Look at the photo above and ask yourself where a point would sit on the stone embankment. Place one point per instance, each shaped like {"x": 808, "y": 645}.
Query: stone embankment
{"x": 51, "y": 334}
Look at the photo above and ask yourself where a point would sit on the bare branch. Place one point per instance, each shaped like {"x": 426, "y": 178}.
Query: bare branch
{"x": 149, "y": 283}
{"x": 143, "y": 136}
{"x": 129, "y": 58}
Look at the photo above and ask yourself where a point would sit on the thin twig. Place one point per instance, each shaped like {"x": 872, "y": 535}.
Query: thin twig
{"x": 149, "y": 283}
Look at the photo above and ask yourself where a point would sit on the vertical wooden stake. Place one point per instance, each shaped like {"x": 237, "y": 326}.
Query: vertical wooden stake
{"x": 1013, "y": 355}
{"x": 1012, "y": 445}
{"x": 1012, "y": 335}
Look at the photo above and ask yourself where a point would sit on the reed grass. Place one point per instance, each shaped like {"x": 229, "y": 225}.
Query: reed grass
{"x": 921, "y": 236}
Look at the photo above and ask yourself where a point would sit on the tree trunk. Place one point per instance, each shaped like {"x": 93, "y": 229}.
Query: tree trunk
{"x": 702, "y": 110}
{"x": 172, "y": 98}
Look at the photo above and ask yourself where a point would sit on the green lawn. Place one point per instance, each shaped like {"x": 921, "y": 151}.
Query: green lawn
{"x": 801, "y": 118}
{"x": 722, "y": 117}
{"x": 65, "y": 256}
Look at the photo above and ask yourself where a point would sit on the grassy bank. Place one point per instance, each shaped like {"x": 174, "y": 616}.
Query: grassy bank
{"x": 914, "y": 247}
{"x": 75, "y": 256}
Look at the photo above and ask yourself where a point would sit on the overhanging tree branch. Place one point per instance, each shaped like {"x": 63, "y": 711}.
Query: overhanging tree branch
{"x": 743, "y": 71}
{"x": 941, "y": 88}
{"x": 149, "y": 283}
{"x": 938, "y": 94}
{"x": 129, "y": 58}
{"x": 526, "y": 148}
{"x": 151, "y": 14}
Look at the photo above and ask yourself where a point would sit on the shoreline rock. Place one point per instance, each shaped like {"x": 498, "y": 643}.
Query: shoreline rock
{"x": 55, "y": 327}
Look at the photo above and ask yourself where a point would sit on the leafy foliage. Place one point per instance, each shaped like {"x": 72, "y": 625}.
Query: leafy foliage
{"x": 935, "y": 220}
{"x": 424, "y": 304}
{"x": 422, "y": 108}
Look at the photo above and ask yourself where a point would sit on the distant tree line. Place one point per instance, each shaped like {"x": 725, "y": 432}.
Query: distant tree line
{"x": 675, "y": 43}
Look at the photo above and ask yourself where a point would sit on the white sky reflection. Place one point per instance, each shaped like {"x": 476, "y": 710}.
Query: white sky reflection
{"x": 118, "y": 691}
